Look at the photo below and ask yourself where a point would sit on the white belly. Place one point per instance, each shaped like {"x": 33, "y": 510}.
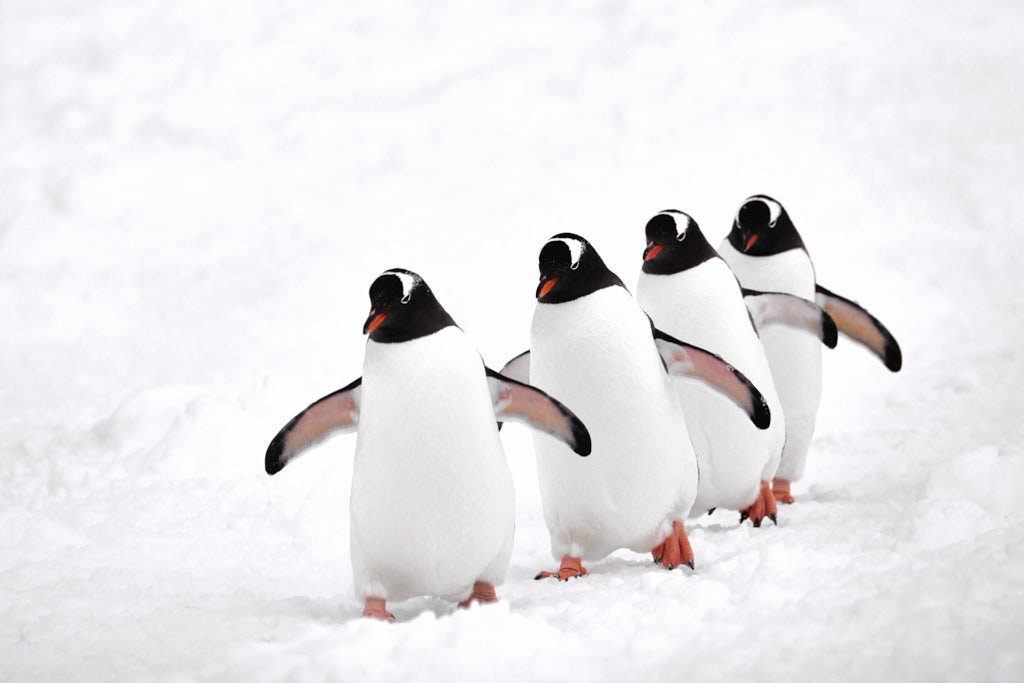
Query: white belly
{"x": 703, "y": 306}
{"x": 432, "y": 500}
{"x": 596, "y": 354}
{"x": 794, "y": 356}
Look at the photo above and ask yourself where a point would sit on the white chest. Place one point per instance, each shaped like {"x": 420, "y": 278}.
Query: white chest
{"x": 597, "y": 355}
{"x": 432, "y": 499}
{"x": 703, "y": 306}
{"x": 790, "y": 272}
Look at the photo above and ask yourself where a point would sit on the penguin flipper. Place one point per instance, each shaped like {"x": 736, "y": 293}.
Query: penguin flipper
{"x": 518, "y": 368}
{"x": 519, "y": 402}
{"x": 334, "y": 413}
{"x": 862, "y": 327}
{"x": 767, "y": 308}
{"x": 686, "y": 360}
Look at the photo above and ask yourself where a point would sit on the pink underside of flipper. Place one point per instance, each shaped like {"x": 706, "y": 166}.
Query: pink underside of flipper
{"x": 699, "y": 363}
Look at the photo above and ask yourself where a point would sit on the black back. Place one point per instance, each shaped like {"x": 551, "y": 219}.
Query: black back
{"x": 765, "y": 219}
{"x": 575, "y": 274}
{"x": 682, "y": 243}
{"x": 410, "y": 308}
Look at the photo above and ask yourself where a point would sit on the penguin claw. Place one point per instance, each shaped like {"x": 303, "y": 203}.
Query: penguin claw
{"x": 771, "y": 511}
{"x": 762, "y": 507}
{"x": 571, "y": 568}
{"x": 676, "y": 550}
{"x": 382, "y": 616}
{"x": 658, "y": 553}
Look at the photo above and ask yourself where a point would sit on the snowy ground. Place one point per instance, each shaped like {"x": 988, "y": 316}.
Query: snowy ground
{"x": 195, "y": 198}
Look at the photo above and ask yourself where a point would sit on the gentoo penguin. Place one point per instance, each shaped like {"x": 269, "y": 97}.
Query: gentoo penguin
{"x": 766, "y": 253}
{"x": 432, "y": 500}
{"x": 690, "y": 293}
{"x": 592, "y": 346}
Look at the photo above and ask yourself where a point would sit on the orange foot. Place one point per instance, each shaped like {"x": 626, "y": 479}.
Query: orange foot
{"x": 780, "y": 488}
{"x": 572, "y": 568}
{"x": 482, "y": 592}
{"x": 375, "y": 608}
{"x": 763, "y": 506}
{"x": 676, "y": 550}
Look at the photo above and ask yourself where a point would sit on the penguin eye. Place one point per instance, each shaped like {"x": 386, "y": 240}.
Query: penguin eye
{"x": 575, "y": 266}
{"x": 681, "y": 236}
{"x": 406, "y": 298}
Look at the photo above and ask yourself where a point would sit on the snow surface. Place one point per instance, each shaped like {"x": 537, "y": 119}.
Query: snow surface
{"x": 196, "y": 196}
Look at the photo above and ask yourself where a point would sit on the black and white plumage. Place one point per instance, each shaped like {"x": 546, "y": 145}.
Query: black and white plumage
{"x": 593, "y": 347}
{"x": 690, "y": 292}
{"x": 766, "y": 253}
{"x": 432, "y": 498}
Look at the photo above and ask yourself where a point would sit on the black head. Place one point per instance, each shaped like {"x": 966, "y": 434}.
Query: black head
{"x": 571, "y": 268}
{"x": 402, "y": 307}
{"x": 762, "y": 227}
{"x": 674, "y": 243}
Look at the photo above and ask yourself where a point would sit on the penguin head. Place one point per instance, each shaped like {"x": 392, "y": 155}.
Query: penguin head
{"x": 402, "y": 307}
{"x": 762, "y": 227}
{"x": 570, "y": 268}
{"x": 674, "y": 243}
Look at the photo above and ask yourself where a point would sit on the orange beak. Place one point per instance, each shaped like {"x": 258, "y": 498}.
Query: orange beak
{"x": 750, "y": 242}
{"x": 652, "y": 251}
{"x": 546, "y": 287}
{"x": 373, "y": 324}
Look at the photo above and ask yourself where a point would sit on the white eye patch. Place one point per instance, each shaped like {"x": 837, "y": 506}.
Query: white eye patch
{"x": 683, "y": 222}
{"x": 774, "y": 209}
{"x": 575, "y": 250}
{"x": 408, "y": 283}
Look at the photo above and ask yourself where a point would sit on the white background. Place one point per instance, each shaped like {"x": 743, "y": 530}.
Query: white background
{"x": 195, "y": 197}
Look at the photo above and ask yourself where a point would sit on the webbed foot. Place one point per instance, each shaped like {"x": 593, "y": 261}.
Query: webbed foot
{"x": 675, "y": 551}
{"x": 482, "y": 592}
{"x": 780, "y": 490}
{"x": 571, "y": 568}
{"x": 375, "y": 608}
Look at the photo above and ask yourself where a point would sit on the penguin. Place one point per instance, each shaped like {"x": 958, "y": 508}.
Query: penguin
{"x": 766, "y": 253}
{"x": 432, "y": 502}
{"x": 690, "y": 292}
{"x": 593, "y": 347}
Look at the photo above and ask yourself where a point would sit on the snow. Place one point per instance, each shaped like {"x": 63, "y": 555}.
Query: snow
{"x": 196, "y": 198}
